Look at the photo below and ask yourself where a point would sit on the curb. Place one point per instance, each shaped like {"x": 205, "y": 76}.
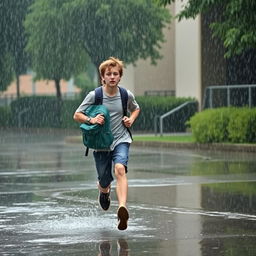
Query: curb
{"x": 198, "y": 146}
{"x": 249, "y": 148}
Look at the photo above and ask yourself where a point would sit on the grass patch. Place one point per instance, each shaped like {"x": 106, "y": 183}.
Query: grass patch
{"x": 174, "y": 138}
{"x": 244, "y": 188}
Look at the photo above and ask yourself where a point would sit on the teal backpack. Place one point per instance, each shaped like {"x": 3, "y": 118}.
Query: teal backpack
{"x": 97, "y": 136}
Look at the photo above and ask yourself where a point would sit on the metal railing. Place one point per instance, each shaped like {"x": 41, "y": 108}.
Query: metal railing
{"x": 229, "y": 95}
{"x": 159, "y": 93}
{"x": 161, "y": 118}
{"x": 6, "y": 100}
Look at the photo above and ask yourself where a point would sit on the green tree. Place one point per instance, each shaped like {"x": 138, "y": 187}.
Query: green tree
{"x": 62, "y": 32}
{"x": 13, "y": 58}
{"x": 236, "y": 27}
{"x": 54, "y": 54}
{"x": 19, "y": 40}
{"x": 6, "y": 70}
{"x": 127, "y": 29}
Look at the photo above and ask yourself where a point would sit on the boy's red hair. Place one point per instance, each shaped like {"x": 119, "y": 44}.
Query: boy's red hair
{"x": 111, "y": 62}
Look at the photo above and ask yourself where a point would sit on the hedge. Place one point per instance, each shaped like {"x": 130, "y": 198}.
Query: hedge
{"x": 237, "y": 125}
{"x": 5, "y": 116}
{"x": 45, "y": 111}
{"x": 242, "y": 125}
{"x": 152, "y": 106}
{"x": 37, "y": 111}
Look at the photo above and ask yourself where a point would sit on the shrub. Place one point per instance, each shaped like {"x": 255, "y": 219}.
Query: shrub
{"x": 242, "y": 125}
{"x": 37, "y": 111}
{"x": 5, "y": 116}
{"x": 46, "y": 111}
{"x": 68, "y": 109}
{"x": 210, "y": 125}
{"x": 152, "y": 106}
{"x": 224, "y": 125}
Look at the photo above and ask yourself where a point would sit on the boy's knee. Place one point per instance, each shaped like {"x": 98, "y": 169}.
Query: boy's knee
{"x": 119, "y": 170}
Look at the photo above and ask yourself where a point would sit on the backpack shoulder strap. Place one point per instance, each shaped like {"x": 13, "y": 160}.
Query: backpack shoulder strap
{"x": 98, "y": 96}
{"x": 124, "y": 98}
{"x": 123, "y": 93}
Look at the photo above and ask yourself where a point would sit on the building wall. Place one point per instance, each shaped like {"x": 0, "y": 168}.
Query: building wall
{"x": 41, "y": 87}
{"x": 144, "y": 76}
{"x": 188, "y": 56}
{"x": 128, "y": 80}
{"x": 180, "y": 67}
{"x": 214, "y": 68}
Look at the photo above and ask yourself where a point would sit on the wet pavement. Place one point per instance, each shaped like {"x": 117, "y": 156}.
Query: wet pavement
{"x": 181, "y": 202}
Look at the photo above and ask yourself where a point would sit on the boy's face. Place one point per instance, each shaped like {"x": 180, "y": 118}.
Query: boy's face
{"x": 111, "y": 76}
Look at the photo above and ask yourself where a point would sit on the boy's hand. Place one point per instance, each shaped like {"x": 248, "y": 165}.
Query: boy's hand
{"x": 99, "y": 119}
{"x": 127, "y": 121}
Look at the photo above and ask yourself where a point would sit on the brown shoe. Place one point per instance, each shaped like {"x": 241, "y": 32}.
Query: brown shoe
{"x": 123, "y": 216}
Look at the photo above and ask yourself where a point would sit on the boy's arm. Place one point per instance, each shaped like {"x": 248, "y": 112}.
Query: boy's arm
{"x": 128, "y": 121}
{"x": 82, "y": 118}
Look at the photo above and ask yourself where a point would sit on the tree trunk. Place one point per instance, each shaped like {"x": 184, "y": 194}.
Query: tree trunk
{"x": 57, "y": 85}
{"x": 58, "y": 104}
{"x": 18, "y": 85}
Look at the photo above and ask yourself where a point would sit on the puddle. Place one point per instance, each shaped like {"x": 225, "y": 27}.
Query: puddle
{"x": 181, "y": 202}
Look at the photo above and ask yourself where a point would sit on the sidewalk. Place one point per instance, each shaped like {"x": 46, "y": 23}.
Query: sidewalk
{"x": 249, "y": 148}
{"x": 164, "y": 134}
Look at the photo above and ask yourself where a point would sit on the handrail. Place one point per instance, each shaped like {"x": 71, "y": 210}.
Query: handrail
{"x": 161, "y": 118}
{"x": 228, "y": 88}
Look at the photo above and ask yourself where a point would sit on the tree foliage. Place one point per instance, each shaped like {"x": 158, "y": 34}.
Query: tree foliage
{"x": 5, "y": 58}
{"x": 63, "y": 32}
{"x": 55, "y": 55}
{"x": 236, "y": 27}
{"x": 13, "y": 58}
{"x": 6, "y": 70}
{"x": 127, "y": 29}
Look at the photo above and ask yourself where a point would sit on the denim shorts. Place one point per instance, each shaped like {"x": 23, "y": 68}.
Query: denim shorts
{"x": 104, "y": 159}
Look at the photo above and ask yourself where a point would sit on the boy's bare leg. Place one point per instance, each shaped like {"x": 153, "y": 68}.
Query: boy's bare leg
{"x": 121, "y": 184}
{"x": 121, "y": 191}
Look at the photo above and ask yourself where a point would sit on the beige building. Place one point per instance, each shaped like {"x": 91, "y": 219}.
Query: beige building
{"x": 41, "y": 87}
{"x": 179, "y": 71}
{"x": 193, "y": 60}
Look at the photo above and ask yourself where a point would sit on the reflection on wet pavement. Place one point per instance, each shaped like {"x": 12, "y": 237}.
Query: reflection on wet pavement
{"x": 181, "y": 202}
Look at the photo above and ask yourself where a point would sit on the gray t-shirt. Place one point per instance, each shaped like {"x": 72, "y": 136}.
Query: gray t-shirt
{"x": 114, "y": 106}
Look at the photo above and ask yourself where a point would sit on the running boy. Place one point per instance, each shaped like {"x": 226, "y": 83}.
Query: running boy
{"x": 111, "y": 72}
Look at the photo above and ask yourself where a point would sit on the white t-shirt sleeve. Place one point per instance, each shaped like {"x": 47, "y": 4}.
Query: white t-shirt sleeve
{"x": 88, "y": 101}
{"x": 132, "y": 103}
